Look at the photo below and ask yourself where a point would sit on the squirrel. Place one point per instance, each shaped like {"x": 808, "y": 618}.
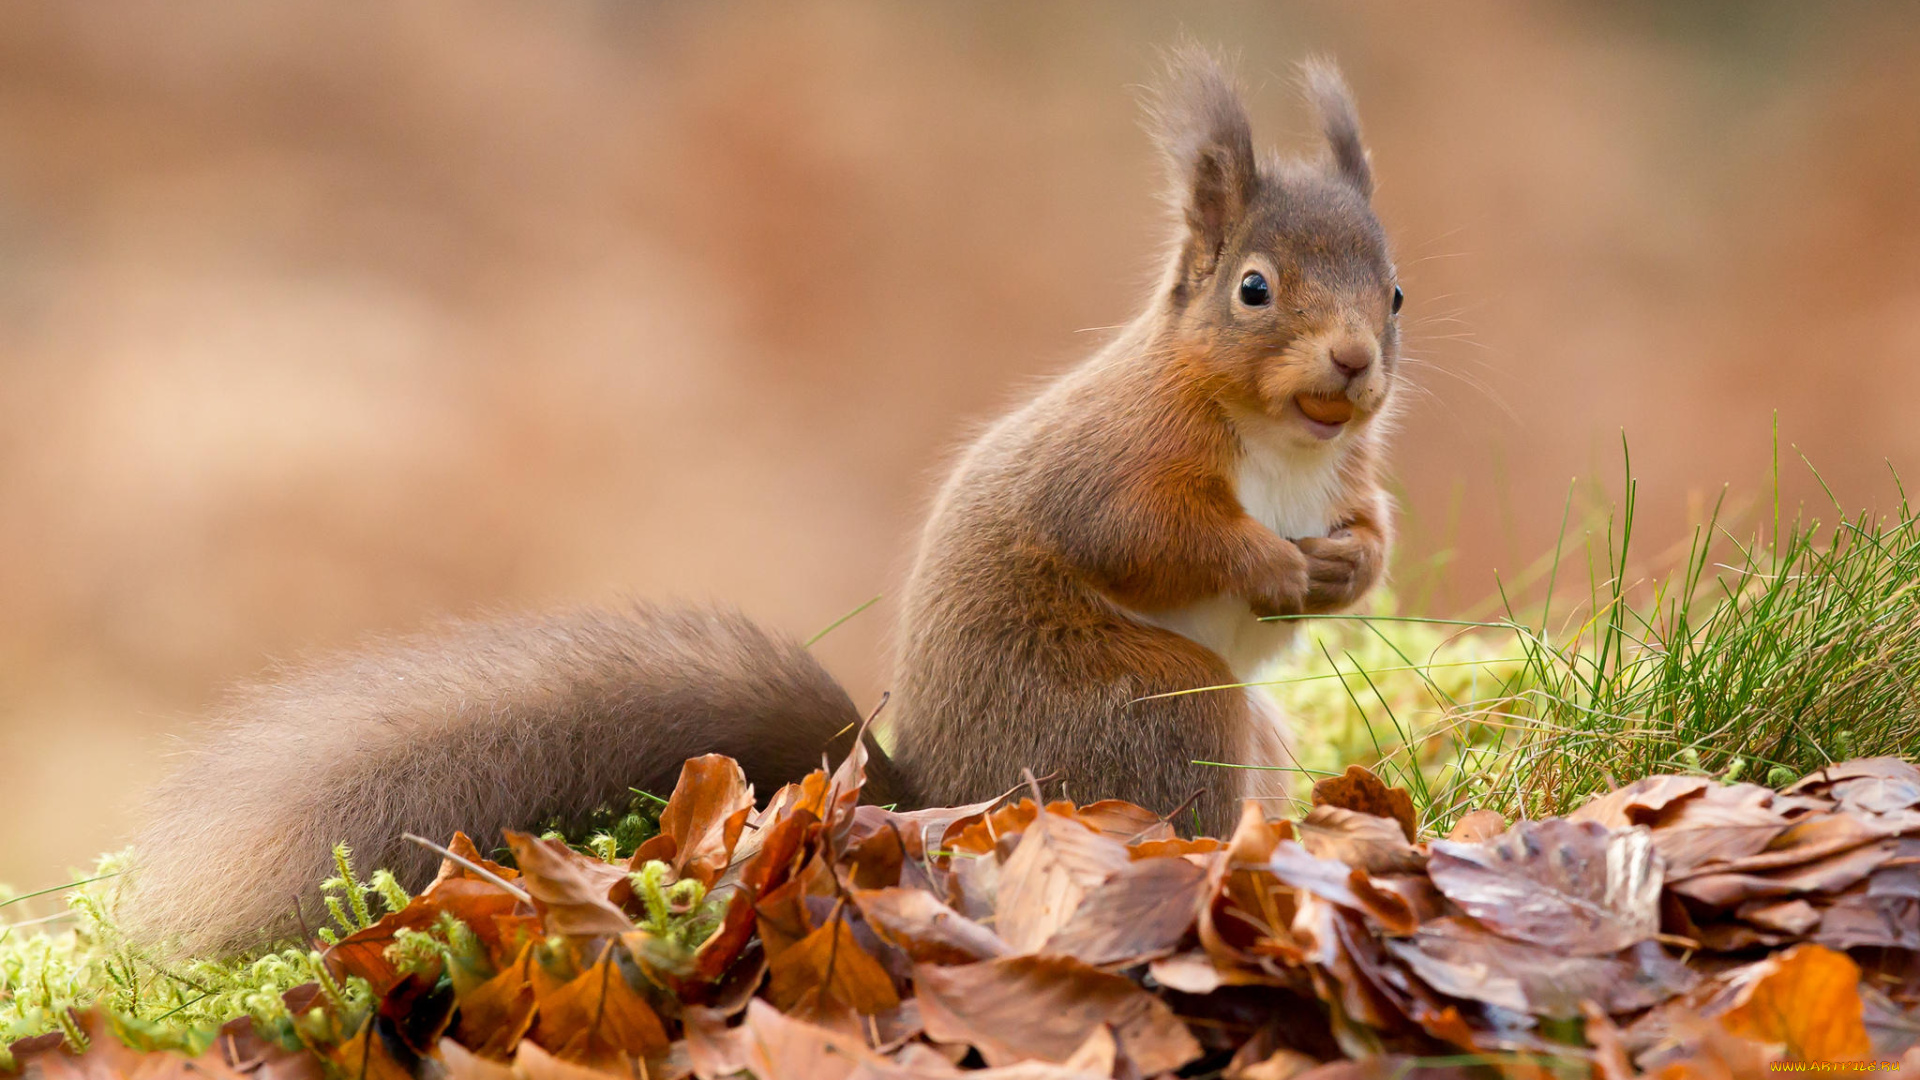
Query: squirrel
{"x": 1087, "y": 593}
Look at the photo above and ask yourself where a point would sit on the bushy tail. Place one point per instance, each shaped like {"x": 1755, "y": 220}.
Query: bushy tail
{"x": 481, "y": 726}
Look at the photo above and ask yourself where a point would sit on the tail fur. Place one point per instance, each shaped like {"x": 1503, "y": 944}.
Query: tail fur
{"x": 482, "y": 726}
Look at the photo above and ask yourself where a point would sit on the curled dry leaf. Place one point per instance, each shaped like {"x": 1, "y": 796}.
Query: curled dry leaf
{"x": 530, "y": 1062}
{"x": 1793, "y": 917}
{"x": 599, "y": 1019}
{"x": 1806, "y": 1000}
{"x": 1246, "y": 922}
{"x": 464, "y": 1064}
{"x": 569, "y": 888}
{"x": 1045, "y": 1007}
{"x": 1829, "y": 874}
{"x": 922, "y": 829}
{"x": 1812, "y": 837}
{"x": 1721, "y": 825}
{"x": 918, "y": 924}
{"x": 1578, "y": 887}
{"x": 1178, "y": 846}
{"x": 1123, "y": 821}
{"x": 1872, "y": 915}
{"x": 1058, "y": 862}
{"x": 1879, "y": 785}
{"x": 1363, "y": 841}
{"x": 372, "y": 1054}
{"x": 1457, "y": 957}
{"x": 1362, "y": 791}
{"x": 705, "y": 815}
{"x": 1477, "y": 825}
{"x": 771, "y": 1046}
{"x": 1143, "y": 911}
{"x": 495, "y": 1016}
{"x": 1640, "y": 802}
{"x": 831, "y": 960}
{"x": 364, "y": 952}
{"x": 462, "y": 846}
{"x": 1338, "y": 883}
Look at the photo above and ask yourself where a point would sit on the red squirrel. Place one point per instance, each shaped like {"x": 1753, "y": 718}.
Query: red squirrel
{"x": 1115, "y": 540}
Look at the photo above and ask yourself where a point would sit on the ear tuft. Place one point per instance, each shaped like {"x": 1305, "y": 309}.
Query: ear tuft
{"x": 1203, "y": 133}
{"x": 1327, "y": 92}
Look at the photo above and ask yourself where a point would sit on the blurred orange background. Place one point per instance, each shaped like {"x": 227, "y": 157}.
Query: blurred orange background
{"x": 318, "y": 319}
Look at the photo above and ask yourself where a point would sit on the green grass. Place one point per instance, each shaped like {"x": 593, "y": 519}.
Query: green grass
{"x": 76, "y": 956}
{"x": 1760, "y": 654}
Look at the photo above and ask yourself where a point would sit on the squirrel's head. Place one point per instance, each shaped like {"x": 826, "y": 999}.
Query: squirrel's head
{"x": 1282, "y": 292}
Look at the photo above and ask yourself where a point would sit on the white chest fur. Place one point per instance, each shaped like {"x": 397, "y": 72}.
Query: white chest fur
{"x": 1289, "y": 487}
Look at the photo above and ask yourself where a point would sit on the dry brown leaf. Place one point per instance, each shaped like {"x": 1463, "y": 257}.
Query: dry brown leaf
{"x": 832, "y": 960}
{"x": 1808, "y": 1001}
{"x": 368, "y": 1056}
{"x": 1879, "y": 785}
{"x": 1362, "y": 791}
{"x": 1610, "y": 1058}
{"x": 240, "y": 1046}
{"x": 1640, "y": 802}
{"x": 569, "y": 888}
{"x": 1578, "y": 887}
{"x": 981, "y": 836}
{"x": 463, "y": 846}
{"x": 1824, "y": 875}
{"x": 1349, "y": 971}
{"x": 1794, "y": 917}
{"x": 772, "y": 1046}
{"x": 1477, "y": 825}
{"x": 1813, "y": 837}
{"x": 1141, "y": 912}
{"x": 1058, "y": 862}
{"x": 502, "y": 921}
{"x": 1338, "y": 883}
{"x": 1363, "y": 841}
{"x": 1250, "y": 912}
{"x": 928, "y": 931}
{"x": 464, "y": 1064}
{"x": 1123, "y": 821}
{"x": 1187, "y": 972}
{"x": 1457, "y": 957}
{"x": 364, "y": 952}
{"x": 598, "y": 1019}
{"x": 921, "y": 829}
{"x": 1045, "y": 1007}
{"x": 1724, "y": 824}
{"x": 1864, "y": 917}
{"x": 705, "y": 815}
{"x": 530, "y": 1062}
{"x": 1176, "y": 847}
{"x": 494, "y": 1017}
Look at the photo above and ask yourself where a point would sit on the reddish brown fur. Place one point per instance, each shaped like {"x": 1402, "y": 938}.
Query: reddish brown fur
{"x": 1114, "y": 493}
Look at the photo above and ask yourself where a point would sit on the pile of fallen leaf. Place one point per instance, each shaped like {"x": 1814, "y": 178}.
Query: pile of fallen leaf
{"x": 1674, "y": 927}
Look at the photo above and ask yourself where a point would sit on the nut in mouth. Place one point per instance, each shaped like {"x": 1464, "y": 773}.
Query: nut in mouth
{"x": 1325, "y": 410}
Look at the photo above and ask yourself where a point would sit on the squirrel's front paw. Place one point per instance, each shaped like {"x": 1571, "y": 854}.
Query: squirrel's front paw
{"x": 1340, "y": 569}
{"x": 1285, "y": 585}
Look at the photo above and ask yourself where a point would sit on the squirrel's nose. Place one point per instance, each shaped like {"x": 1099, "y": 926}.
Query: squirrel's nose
{"x": 1352, "y": 356}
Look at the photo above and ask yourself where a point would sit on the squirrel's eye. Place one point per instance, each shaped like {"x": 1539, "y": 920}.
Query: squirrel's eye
{"x": 1398, "y": 299}
{"x": 1254, "y": 291}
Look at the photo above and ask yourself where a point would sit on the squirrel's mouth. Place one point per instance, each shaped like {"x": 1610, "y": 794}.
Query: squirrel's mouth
{"x": 1326, "y": 415}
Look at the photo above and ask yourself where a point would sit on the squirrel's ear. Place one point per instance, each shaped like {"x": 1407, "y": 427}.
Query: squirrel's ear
{"x": 1339, "y": 121}
{"x": 1202, "y": 131}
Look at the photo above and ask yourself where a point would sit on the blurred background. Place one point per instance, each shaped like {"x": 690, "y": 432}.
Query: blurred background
{"x": 320, "y": 319}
